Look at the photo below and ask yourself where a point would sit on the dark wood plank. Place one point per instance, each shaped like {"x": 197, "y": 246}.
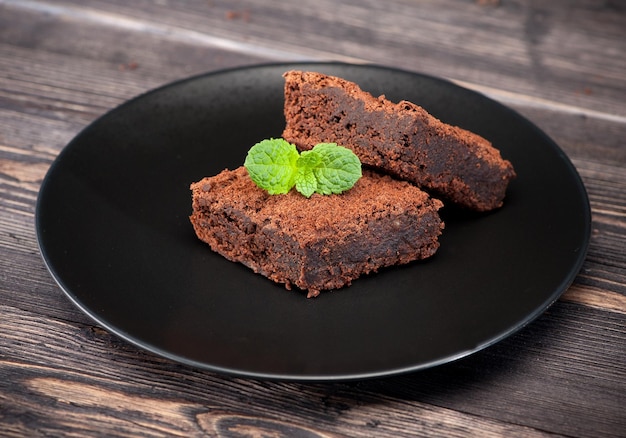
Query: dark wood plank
{"x": 44, "y": 366}
{"x": 36, "y": 46}
{"x": 559, "y": 51}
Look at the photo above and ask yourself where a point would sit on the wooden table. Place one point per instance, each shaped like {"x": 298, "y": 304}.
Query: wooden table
{"x": 561, "y": 63}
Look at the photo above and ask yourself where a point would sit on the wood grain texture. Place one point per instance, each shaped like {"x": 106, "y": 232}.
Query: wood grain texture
{"x": 44, "y": 365}
{"x": 64, "y": 63}
{"x": 546, "y": 50}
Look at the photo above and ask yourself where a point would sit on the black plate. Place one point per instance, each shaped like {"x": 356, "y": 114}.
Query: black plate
{"x": 112, "y": 223}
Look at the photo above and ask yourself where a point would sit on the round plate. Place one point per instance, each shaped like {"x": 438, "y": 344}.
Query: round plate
{"x": 113, "y": 229}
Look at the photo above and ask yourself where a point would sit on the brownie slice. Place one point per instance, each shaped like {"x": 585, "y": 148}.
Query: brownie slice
{"x": 401, "y": 139}
{"x": 317, "y": 243}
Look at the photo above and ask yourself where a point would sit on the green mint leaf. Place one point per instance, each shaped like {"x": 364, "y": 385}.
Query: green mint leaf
{"x": 338, "y": 170}
{"x": 276, "y": 166}
{"x": 309, "y": 160}
{"x": 306, "y": 183}
{"x": 272, "y": 165}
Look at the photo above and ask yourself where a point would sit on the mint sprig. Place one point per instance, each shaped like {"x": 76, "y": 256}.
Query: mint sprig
{"x": 276, "y": 166}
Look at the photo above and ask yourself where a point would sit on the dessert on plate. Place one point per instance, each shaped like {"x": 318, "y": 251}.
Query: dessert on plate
{"x": 401, "y": 139}
{"x": 317, "y": 243}
{"x": 343, "y": 220}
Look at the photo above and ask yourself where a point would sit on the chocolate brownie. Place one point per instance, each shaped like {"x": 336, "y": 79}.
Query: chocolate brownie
{"x": 399, "y": 138}
{"x": 317, "y": 243}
